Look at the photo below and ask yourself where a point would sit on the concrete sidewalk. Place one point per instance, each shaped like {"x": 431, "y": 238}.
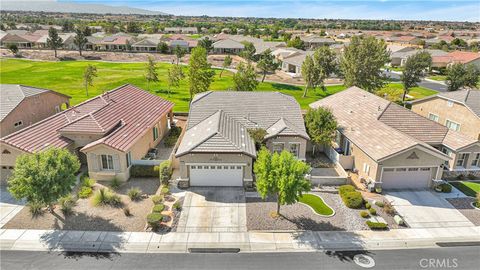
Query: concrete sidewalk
{"x": 147, "y": 242}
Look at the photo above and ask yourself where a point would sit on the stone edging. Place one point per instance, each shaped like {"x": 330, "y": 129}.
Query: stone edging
{"x": 474, "y": 207}
{"x": 313, "y": 210}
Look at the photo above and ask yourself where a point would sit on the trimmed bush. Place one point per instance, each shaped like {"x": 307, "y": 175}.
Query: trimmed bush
{"x": 460, "y": 177}
{"x": 368, "y": 205}
{"x": 66, "y": 204}
{"x": 446, "y": 188}
{"x": 175, "y": 131}
{"x": 85, "y": 192}
{"x": 153, "y": 220}
{"x": 364, "y": 214}
{"x": 372, "y": 211}
{"x": 353, "y": 199}
{"x": 114, "y": 183}
{"x": 379, "y": 203}
{"x": 170, "y": 141}
{"x": 156, "y": 199}
{"x": 144, "y": 171}
{"x": 165, "y": 171}
{"x": 345, "y": 188}
{"x": 158, "y": 208}
{"x": 88, "y": 182}
{"x": 376, "y": 225}
{"x": 471, "y": 176}
{"x": 165, "y": 190}
{"x": 35, "y": 208}
{"x": 177, "y": 206}
{"x": 134, "y": 193}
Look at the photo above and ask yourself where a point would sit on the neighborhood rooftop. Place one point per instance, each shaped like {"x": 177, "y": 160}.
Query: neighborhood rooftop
{"x": 469, "y": 98}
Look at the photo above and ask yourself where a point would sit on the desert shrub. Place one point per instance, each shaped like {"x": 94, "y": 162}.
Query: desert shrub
{"x": 127, "y": 211}
{"x": 364, "y": 214}
{"x": 372, "y": 211}
{"x": 35, "y": 208}
{"x": 345, "y": 188}
{"x": 177, "y": 206}
{"x": 352, "y": 199}
{"x": 368, "y": 205}
{"x": 165, "y": 190}
{"x": 144, "y": 171}
{"x": 114, "y": 183}
{"x": 446, "y": 188}
{"x": 66, "y": 204}
{"x": 134, "y": 193}
{"x": 85, "y": 192}
{"x": 158, "y": 208}
{"x": 388, "y": 208}
{"x": 379, "y": 203}
{"x": 156, "y": 199}
{"x": 154, "y": 219}
{"x": 106, "y": 197}
{"x": 471, "y": 176}
{"x": 88, "y": 182}
{"x": 165, "y": 171}
{"x": 460, "y": 177}
{"x": 376, "y": 225}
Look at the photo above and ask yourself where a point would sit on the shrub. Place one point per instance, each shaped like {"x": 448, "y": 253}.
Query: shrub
{"x": 88, "y": 182}
{"x": 471, "y": 176}
{"x": 165, "y": 171}
{"x": 353, "y": 199}
{"x": 175, "y": 131}
{"x": 126, "y": 211}
{"x": 372, "y": 211}
{"x": 345, "y": 188}
{"x": 85, "y": 192}
{"x": 170, "y": 141}
{"x": 35, "y": 208}
{"x": 379, "y": 203}
{"x": 144, "y": 171}
{"x": 460, "y": 177}
{"x": 106, "y": 197}
{"x": 376, "y": 225}
{"x": 368, "y": 205}
{"x": 135, "y": 194}
{"x": 177, "y": 206}
{"x": 156, "y": 199}
{"x": 66, "y": 204}
{"x": 477, "y": 203}
{"x": 446, "y": 188}
{"x": 388, "y": 208}
{"x": 165, "y": 190}
{"x": 114, "y": 183}
{"x": 153, "y": 220}
{"x": 364, "y": 214}
{"x": 158, "y": 208}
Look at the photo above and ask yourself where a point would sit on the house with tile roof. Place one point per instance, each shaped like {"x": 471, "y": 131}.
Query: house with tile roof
{"x": 109, "y": 133}
{"x": 392, "y": 147}
{"x": 22, "y": 106}
{"x": 217, "y": 149}
{"x": 456, "y": 57}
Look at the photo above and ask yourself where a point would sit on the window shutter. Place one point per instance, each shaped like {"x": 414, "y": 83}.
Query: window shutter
{"x": 116, "y": 163}
{"x": 94, "y": 160}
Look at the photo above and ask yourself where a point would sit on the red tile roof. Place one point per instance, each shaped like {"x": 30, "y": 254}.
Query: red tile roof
{"x": 122, "y": 115}
{"x": 463, "y": 57}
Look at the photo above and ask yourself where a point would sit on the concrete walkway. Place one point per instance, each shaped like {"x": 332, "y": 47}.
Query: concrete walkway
{"x": 9, "y": 207}
{"x": 147, "y": 242}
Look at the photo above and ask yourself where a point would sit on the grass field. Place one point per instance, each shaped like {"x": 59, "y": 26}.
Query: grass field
{"x": 317, "y": 204}
{"x": 468, "y": 188}
{"x": 395, "y": 91}
{"x": 66, "y": 77}
{"x": 437, "y": 77}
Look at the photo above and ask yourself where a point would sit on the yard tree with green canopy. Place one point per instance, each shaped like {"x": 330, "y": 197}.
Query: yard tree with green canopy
{"x": 200, "y": 74}
{"x": 44, "y": 177}
{"x": 321, "y": 126}
{"x": 281, "y": 175}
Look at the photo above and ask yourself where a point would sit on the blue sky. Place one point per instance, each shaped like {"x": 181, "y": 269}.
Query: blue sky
{"x": 380, "y": 9}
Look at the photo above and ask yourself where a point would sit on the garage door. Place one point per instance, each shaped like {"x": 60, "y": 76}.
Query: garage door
{"x": 216, "y": 175}
{"x": 406, "y": 178}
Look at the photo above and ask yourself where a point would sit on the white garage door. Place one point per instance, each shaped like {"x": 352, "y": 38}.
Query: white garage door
{"x": 216, "y": 175}
{"x": 406, "y": 178}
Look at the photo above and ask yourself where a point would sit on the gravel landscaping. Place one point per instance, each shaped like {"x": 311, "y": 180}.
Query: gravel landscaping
{"x": 301, "y": 217}
{"x": 464, "y": 205}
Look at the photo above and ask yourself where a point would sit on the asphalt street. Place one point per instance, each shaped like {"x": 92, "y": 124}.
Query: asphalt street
{"x": 424, "y": 83}
{"x": 432, "y": 258}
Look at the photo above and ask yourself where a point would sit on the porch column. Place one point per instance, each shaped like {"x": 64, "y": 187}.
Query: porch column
{"x": 170, "y": 116}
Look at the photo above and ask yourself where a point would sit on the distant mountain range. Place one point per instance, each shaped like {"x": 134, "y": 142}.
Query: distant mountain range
{"x": 68, "y": 7}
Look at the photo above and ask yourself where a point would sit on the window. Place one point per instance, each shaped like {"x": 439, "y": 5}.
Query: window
{"x": 107, "y": 162}
{"x": 401, "y": 169}
{"x": 239, "y": 167}
{"x": 462, "y": 159}
{"x": 447, "y": 152}
{"x": 155, "y": 133}
{"x": 366, "y": 168}
{"x": 129, "y": 159}
{"x": 219, "y": 167}
{"x": 476, "y": 160}
{"x": 388, "y": 169}
{"x": 452, "y": 125}
{"x": 18, "y": 124}
{"x": 6, "y": 152}
{"x": 425, "y": 169}
{"x": 193, "y": 167}
{"x": 449, "y": 103}
{"x": 294, "y": 148}
{"x": 433, "y": 117}
{"x": 278, "y": 147}
{"x": 413, "y": 169}
{"x": 232, "y": 167}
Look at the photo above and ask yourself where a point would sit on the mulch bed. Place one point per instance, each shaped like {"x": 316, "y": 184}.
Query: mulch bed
{"x": 464, "y": 206}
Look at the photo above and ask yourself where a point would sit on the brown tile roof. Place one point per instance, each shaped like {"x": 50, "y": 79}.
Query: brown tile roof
{"x": 463, "y": 57}
{"x": 122, "y": 115}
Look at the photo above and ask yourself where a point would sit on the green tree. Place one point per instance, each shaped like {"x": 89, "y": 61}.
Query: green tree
{"x": 296, "y": 43}
{"x": 245, "y": 79}
{"x": 206, "y": 43}
{"x": 321, "y": 126}
{"x": 362, "y": 61}
{"x": 248, "y": 51}
{"x": 200, "y": 74}
{"x": 325, "y": 62}
{"x": 88, "y": 75}
{"x": 175, "y": 75}
{"x": 280, "y": 175}
{"x": 80, "y": 40}
{"x": 44, "y": 177}
{"x": 267, "y": 63}
{"x": 309, "y": 74}
{"x": 414, "y": 70}
{"x": 13, "y": 48}
{"x": 133, "y": 27}
{"x": 54, "y": 41}
{"x": 162, "y": 47}
{"x": 455, "y": 78}
{"x": 472, "y": 76}
{"x": 258, "y": 136}
{"x": 179, "y": 53}
{"x": 227, "y": 61}
{"x": 151, "y": 74}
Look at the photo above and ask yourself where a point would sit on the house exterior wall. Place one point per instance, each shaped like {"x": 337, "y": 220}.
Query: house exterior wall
{"x": 146, "y": 142}
{"x": 471, "y": 151}
{"x": 469, "y": 122}
{"x": 359, "y": 159}
{"x": 8, "y": 155}
{"x": 31, "y": 110}
{"x": 287, "y": 141}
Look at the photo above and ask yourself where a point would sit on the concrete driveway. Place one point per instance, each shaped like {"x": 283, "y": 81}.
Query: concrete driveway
{"x": 426, "y": 209}
{"x": 9, "y": 207}
{"x": 213, "y": 209}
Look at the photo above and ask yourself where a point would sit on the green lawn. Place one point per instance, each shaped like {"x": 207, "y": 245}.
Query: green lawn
{"x": 395, "y": 91}
{"x": 437, "y": 77}
{"x": 317, "y": 203}
{"x": 468, "y": 188}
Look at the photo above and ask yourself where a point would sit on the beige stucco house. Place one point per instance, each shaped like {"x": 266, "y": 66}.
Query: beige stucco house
{"x": 458, "y": 110}
{"x": 21, "y": 106}
{"x": 109, "y": 133}
{"x": 393, "y": 147}
{"x": 217, "y": 150}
